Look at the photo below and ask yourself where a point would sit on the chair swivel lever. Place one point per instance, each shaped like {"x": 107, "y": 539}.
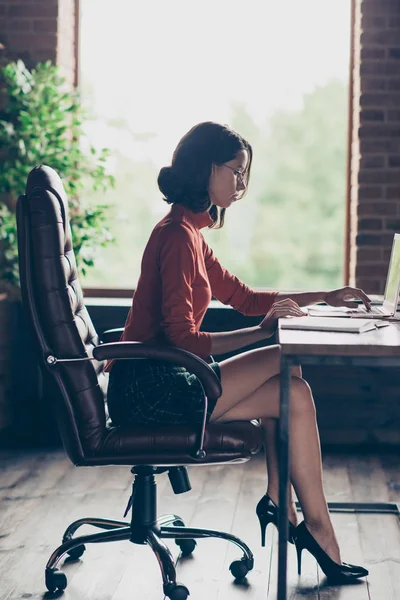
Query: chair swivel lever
{"x": 130, "y": 502}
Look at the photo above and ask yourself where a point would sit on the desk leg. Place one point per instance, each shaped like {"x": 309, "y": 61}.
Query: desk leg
{"x": 283, "y": 475}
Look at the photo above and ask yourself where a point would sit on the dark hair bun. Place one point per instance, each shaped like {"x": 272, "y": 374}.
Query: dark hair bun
{"x": 168, "y": 184}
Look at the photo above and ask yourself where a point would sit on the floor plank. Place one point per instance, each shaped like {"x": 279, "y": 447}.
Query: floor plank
{"x": 41, "y": 492}
{"x": 214, "y": 509}
{"x": 338, "y": 488}
{"x": 245, "y": 525}
{"x": 379, "y": 534}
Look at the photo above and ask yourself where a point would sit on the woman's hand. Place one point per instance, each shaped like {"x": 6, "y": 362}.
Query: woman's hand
{"x": 282, "y": 308}
{"x": 343, "y": 297}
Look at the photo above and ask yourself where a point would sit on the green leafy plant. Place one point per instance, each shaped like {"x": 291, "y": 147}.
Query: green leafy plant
{"x": 42, "y": 122}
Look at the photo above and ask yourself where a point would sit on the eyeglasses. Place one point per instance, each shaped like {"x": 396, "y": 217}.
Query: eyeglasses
{"x": 239, "y": 175}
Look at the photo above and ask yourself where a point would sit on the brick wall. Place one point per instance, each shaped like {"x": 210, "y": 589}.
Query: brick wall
{"x": 375, "y": 162}
{"x": 39, "y": 30}
{"x": 362, "y": 406}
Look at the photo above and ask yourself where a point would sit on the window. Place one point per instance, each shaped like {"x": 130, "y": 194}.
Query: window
{"x": 278, "y": 73}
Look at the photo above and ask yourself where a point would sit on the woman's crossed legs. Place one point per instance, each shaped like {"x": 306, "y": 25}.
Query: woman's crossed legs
{"x": 251, "y": 390}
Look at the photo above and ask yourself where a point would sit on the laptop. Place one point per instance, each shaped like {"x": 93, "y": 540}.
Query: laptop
{"x": 390, "y": 300}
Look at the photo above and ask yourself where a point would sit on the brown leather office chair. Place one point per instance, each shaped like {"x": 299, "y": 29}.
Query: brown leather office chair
{"x": 71, "y": 352}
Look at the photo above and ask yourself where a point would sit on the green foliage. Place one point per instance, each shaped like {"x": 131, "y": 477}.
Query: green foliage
{"x": 43, "y": 123}
{"x": 288, "y": 231}
{"x": 293, "y": 215}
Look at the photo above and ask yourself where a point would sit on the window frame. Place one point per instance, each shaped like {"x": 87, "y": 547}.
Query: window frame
{"x": 92, "y": 292}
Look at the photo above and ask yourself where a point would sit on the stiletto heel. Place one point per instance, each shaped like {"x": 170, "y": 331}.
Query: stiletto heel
{"x": 263, "y": 526}
{"x": 299, "y": 550}
{"x": 267, "y": 512}
{"x": 333, "y": 571}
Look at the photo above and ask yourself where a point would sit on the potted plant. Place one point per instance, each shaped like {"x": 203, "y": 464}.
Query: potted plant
{"x": 42, "y": 122}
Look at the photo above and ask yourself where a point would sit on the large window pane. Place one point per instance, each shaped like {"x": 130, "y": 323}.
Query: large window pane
{"x": 275, "y": 71}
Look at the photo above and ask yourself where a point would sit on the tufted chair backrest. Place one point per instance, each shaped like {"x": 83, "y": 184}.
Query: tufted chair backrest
{"x": 53, "y": 300}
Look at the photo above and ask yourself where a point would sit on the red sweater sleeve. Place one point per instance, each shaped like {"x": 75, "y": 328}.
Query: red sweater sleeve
{"x": 177, "y": 264}
{"x": 228, "y": 289}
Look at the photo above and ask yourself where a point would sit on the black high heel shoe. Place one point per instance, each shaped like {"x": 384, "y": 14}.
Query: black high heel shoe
{"x": 267, "y": 512}
{"x": 334, "y": 572}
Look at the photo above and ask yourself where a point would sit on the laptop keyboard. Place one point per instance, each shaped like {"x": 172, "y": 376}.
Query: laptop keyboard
{"x": 374, "y": 310}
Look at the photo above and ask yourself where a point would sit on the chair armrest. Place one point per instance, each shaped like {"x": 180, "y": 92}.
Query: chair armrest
{"x": 194, "y": 364}
{"x": 112, "y": 335}
{"x": 209, "y": 380}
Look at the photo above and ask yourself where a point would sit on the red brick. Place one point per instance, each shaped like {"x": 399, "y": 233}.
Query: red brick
{"x": 373, "y": 161}
{"x": 393, "y": 115}
{"x": 381, "y": 7}
{"x": 19, "y": 25}
{"x": 382, "y": 100}
{"x": 393, "y": 85}
{"x": 369, "y": 286}
{"x": 392, "y": 224}
{"x": 369, "y": 192}
{"x": 377, "y": 208}
{"x": 370, "y": 224}
{"x": 380, "y": 130}
{"x": 373, "y": 22}
{"x": 374, "y": 53}
{"x": 386, "y": 254}
{"x": 382, "y": 67}
{"x": 374, "y": 239}
{"x": 392, "y": 192}
{"x": 369, "y": 255}
{"x": 32, "y": 41}
{"x": 41, "y": 55}
{"x": 36, "y": 10}
{"x": 372, "y": 84}
{"x": 378, "y": 176}
{"x": 45, "y": 25}
{"x": 378, "y": 146}
{"x": 371, "y": 270}
{"x": 378, "y": 37}
{"x": 371, "y": 114}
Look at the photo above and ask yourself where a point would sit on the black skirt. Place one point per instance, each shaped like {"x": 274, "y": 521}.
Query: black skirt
{"x": 148, "y": 391}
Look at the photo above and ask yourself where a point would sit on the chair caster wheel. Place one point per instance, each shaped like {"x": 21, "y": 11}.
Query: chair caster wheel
{"x": 55, "y": 580}
{"x": 186, "y": 546}
{"x": 176, "y": 591}
{"x": 76, "y": 553}
{"x": 240, "y": 568}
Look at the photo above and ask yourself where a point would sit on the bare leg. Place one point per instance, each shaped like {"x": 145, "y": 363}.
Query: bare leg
{"x": 270, "y": 427}
{"x": 305, "y": 453}
{"x": 254, "y": 368}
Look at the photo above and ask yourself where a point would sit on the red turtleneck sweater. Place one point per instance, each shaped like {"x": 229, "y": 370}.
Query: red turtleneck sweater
{"x": 179, "y": 275}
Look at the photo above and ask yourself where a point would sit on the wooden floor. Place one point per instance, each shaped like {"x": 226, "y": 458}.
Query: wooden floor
{"x": 41, "y": 493}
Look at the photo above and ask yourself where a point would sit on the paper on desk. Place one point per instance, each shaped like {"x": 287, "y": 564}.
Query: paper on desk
{"x": 329, "y": 311}
{"x": 326, "y": 308}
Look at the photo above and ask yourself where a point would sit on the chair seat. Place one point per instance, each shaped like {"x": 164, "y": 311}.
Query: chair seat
{"x": 174, "y": 445}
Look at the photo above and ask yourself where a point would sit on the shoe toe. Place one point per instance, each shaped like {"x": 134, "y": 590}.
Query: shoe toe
{"x": 355, "y": 570}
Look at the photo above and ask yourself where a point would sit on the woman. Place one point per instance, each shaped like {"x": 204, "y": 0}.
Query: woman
{"x": 179, "y": 274}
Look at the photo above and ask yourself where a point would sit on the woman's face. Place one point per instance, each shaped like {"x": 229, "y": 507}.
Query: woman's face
{"x": 226, "y": 182}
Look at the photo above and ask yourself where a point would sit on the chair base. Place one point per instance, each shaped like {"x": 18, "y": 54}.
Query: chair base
{"x": 144, "y": 528}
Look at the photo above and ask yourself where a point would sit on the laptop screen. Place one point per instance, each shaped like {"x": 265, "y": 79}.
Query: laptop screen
{"x": 393, "y": 277}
